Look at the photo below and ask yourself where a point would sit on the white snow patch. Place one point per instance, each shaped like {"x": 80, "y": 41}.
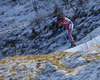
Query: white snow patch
{"x": 87, "y": 45}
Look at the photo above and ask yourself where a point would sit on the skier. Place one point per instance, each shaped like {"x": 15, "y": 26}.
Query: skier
{"x": 68, "y": 24}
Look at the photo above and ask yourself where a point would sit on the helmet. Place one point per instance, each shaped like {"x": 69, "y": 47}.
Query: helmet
{"x": 62, "y": 19}
{"x": 54, "y": 18}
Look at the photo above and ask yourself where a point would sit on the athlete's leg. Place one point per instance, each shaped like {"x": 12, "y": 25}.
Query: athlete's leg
{"x": 70, "y": 35}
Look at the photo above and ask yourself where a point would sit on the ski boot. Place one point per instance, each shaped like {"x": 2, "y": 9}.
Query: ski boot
{"x": 72, "y": 45}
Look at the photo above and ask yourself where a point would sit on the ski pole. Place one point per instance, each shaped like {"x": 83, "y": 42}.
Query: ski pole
{"x": 73, "y": 10}
{"x": 65, "y": 37}
{"x": 56, "y": 7}
{"x": 69, "y": 9}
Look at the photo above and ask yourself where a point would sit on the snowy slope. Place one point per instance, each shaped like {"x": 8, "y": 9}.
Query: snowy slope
{"x": 87, "y": 45}
{"x": 95, "y": 33}
{"x": 17, "y": 13}
{"x": 26, "y": 25}
{"x": 84, "y": 65}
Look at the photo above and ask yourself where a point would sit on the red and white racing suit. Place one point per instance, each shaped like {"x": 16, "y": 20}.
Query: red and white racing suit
{"x": 69, "y": 27}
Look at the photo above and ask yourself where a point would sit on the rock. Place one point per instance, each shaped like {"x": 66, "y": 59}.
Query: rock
{"x": 98, "y": 73}
{"x": 49, "y": 69}
{"x": 78, "y": 62}
{"x": 58, "y": 75}
{"x": 32, "y": 51}
{"x": 1, "y": 55}
{"x": 5, "y": 50}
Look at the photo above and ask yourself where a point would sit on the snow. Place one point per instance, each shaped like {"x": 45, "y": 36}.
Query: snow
{"x": 82, "y": 71}
{"x": 84, "y": 65}
{"x": 15, "y": 22}
{"x": 87, "y": 45}
{"x": 22, "y": 33}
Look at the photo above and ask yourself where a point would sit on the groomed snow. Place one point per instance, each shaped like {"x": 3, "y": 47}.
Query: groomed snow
{"x": 87, "y": 45}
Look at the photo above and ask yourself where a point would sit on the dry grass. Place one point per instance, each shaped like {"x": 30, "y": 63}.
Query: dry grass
{"x": 30, "y": 77}
{"x": 92, "y": 57}
{"x": 48, "y": 58}
{"x": 13, "y": 74}
{"x": 1, "y": 78}
{"x": 54, "y": 59}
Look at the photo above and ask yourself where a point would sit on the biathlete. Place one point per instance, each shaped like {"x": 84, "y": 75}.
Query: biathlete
{"x": 68, "y": 24}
